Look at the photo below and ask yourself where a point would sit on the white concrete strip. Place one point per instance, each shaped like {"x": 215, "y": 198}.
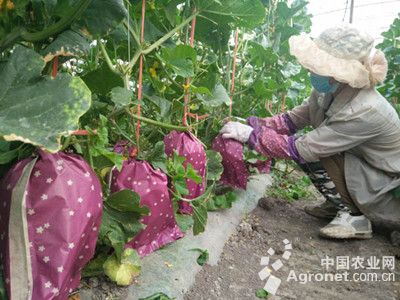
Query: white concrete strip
{"x": 172, "y": 270}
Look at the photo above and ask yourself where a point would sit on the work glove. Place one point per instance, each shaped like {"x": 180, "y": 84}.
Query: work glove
{"x": 236, "y": 131}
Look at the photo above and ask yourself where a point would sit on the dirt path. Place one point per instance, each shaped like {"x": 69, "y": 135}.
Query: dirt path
{"x": 236, "y": 275}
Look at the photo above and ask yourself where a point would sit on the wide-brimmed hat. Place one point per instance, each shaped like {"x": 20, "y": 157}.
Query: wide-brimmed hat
{"x": 344, "y": 53}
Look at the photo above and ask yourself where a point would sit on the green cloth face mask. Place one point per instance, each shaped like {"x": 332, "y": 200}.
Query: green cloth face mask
{"x": 322, "y": 84}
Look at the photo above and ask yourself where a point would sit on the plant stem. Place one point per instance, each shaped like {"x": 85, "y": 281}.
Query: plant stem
{"x": 134, "y": 59}
{"x": 126, "y": 81}
{"x": 13, "y": 37}
{"x": 225, "y": 14}
{"x": 157, "y": 123}
{"x": 108, "y": 59}
{"x": 66, "y": 143}
{"x": 132, "y": 32}
{"x": 162, "y": 40}
{"x": 159, "y": 42}
{"x": 228, "y": 68}
{"x": 123, "y": 133}
{"x": 89, "y": 154}
{"x": 62, "y": 24}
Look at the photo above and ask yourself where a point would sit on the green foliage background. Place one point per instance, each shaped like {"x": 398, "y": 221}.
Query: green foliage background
{"x": 391, "y": 47}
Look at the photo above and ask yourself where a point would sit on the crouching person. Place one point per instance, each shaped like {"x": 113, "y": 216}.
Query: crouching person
{"x": 356, "y": 132}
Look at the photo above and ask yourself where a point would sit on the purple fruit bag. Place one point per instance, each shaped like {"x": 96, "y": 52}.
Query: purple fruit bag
{"x": 187, "y": 145}
{"x": 50, "y": 213}
{"x": 152, "y": 187}
{"x": 235, "y": 170}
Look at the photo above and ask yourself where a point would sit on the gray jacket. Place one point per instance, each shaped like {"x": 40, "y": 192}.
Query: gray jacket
{"x": 366, "y": 128}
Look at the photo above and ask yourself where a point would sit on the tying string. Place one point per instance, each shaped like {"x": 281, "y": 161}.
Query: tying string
{"x": 233, "y": 71}
{"x": 83, "y": 132}
{"x": 283, "y": 104}
{"x": 268, "y": 106}
{"x": 129, "y": 34}
{"x": 192, "y": 31}
{"x": 186, "y": 97}
{"x": 197, "y": 117}
{"x": 140, "y": 81}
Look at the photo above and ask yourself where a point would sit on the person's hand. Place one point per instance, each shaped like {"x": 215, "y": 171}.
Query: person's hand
{"x": 236, "y": 131}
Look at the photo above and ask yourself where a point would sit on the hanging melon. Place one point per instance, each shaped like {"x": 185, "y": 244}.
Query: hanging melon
{"x": 235, "y": 170}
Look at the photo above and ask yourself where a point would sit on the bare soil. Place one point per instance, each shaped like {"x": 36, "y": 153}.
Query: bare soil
{"x": 236, "y": 275}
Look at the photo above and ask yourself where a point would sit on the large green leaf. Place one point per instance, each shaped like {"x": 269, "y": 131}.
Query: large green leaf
{"x": 286, "y": 12}
{"x": 219, "y": 97}
{"x": 171, "y": 11}
{"x": 260, "y": 89}
{"x": 209, "y": 79}
{"x": 199, "y": 218}
{"x": 241, "y": 13}
{"x": 163, "y": 104}
{"x": 121, "y": 220}
{"x": 180, "y": 59}
{"x": 261, "y": 55}
{"x": 200, "y": 214}
{"x": 102, "y": 16}
{"x": 102, "y": 80}
{"x": 214, "y": 34}
{"x": 151, "y": 33}
{"x": 127, "y": 201}
{"x": 185, "y": 222}
{"x": 37, "y": 109}
{"x": 121, "y": 96}
{"x": 68, "y": 43}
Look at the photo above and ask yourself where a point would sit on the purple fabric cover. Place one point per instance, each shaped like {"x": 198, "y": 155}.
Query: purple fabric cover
{"x": 254, "y": 136}
{"x": 152, "y": 187}
{"x": 282, "y": 123}
{"x": 63, "y": 210}
{"x": 294, "y": 153}
{"x": 187, "y": 145}
{"x": 235, "y": 170}
{"x": 290, "y": 125}
{"x": 274, "y": 145}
